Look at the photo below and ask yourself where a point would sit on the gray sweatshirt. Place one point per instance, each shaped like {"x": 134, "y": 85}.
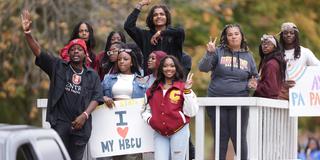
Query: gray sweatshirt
{"x": 230, "y": 72}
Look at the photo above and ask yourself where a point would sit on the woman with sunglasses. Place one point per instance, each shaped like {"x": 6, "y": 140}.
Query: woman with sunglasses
{"x": 124, "y": 84}
{"x": 272, "y": 68}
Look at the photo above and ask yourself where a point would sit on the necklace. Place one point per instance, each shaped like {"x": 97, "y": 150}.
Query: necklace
{"x": 76, "y": 77}
{"x": 75, "y": 71}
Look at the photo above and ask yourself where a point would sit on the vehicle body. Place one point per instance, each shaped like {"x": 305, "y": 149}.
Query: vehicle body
{"x": 30, "y": 143}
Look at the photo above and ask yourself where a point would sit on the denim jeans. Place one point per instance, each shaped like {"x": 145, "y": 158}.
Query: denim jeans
{"x": 174, "y": 146}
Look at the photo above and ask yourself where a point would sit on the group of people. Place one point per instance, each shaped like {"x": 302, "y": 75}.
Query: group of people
{"x": 311, "y": 151}
{"x": 156, "y": 68}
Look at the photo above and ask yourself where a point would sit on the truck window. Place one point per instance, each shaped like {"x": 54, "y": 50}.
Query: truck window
{"x": 49, "y": 149}
{"x": 26, "y": 152}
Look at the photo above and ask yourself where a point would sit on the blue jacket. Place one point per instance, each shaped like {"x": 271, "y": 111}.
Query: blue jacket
{"x": 139, "y": 87}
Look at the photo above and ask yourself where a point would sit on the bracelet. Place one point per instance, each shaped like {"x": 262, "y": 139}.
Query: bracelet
{"x": 187, "y": 91}
{"x": 86, "y": 114}
{"x": 27, "y": 32}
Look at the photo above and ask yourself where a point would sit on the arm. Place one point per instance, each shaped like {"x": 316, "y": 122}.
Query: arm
{"x": 146, "y": 110}
{"x": 26, "y": 25}
{"x": 209, "y": 60}
{"x": 311, "y": 58}
{"x": 130, "y": 25}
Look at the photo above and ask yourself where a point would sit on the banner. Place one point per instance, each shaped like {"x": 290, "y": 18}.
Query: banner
{"x": 120, "y": 130}
{"x": 304, "y": 97}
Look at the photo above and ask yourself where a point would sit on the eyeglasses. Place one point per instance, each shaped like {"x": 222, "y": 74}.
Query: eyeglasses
{"x": 128, "y": 50}
{"x": 109, "y": 53}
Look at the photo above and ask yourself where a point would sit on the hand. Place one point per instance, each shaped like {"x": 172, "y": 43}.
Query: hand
{"x": 188, "y": 83}
{"x": 155, "y": 38}
{"x": 289, "y": 83}
{"x": 211, "y": 46}
{"x": 145, "y": 2}
{"x": 26, "y": 20}
{"x": 108, "y": 101}
{"x": 79, "y": 122}
{"x": 253, "y": 83}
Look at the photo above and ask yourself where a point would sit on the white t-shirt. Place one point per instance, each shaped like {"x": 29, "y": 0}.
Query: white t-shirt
{"x": 295, "y": 66}
{"x": 123, "y": 88}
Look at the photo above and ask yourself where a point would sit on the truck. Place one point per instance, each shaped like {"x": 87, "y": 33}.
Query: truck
{"x": 25, "y": 142}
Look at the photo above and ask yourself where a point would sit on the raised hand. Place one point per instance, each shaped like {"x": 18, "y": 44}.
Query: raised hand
{"x": 145, "y": 2}
{"x": 155, "y": 38}
{"x": 188, "y": 83}
{"x": 211, "y": 46}
{"x": 26, "y": 20}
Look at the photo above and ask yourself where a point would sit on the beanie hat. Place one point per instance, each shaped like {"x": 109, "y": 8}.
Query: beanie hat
{"x": 80, "y": 42}
{"x": 159, "y": 56}
{"x": 288, "y": 25}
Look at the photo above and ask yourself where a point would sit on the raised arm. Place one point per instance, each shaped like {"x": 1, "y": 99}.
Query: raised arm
{"x": 26, "y": 26}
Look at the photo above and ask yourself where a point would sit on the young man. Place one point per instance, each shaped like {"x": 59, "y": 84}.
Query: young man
{"x": 159, "y": 36}
{"x": 74, "y": 91}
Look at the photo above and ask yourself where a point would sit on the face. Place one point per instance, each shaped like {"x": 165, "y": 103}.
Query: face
{"x": 267, "y": 47}
{"x": 77, "y": 54}
{"x": 234, "y": 37}
{"x": 113, "y": 53}
{"x": 115, "y": 38}
{"x": 159, "y": 17}
{"x": 124, "y": 63}
{"x": 289, "y": 36}
{"x": 169, "y": 69}
{"x": 84, "y": 32}
{"x": 312, "y": 144}
{"x": 152, "y": 61}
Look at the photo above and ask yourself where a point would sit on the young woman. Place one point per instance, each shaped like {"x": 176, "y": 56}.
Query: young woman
{"x": 125, "y": 84}
{"x": 82, "y": 30}
{"x": 272, "y": 68}
{"x": 231, "y": 65}
{"x": 159, "y": 36}
{"x": 169, "y": 104}
{"x": 153, "y": 65}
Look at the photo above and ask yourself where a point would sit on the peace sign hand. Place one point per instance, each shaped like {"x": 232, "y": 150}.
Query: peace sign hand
{"x": 26, "y": 20}
{"x": 211, "y": 46}
{"x": 188, "y": 83}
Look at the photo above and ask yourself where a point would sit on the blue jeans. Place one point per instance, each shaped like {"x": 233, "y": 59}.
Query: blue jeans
{"x": 174, "y": 146}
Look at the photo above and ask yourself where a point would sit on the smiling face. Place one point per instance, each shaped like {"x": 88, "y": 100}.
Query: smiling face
{"x": 152, "y": 61}
{"x": 124, "y": 63}
{"x": 289, "y": 36}
{"x": 76, "y": 54}
{"x": 234, "y": 38}
{"x": 169, "y": 68}
{"x": 159, "y": 17}
{"x": 84, "y": 32}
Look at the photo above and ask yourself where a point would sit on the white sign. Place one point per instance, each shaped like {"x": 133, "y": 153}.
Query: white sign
{"x": 120, "y": 130}
{"x": 304, "y": 97}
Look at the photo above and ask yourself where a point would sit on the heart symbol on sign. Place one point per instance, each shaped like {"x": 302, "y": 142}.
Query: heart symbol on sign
{"x": 122, "y": 132}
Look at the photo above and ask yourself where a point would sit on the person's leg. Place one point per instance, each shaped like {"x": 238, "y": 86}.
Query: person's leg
{"x": 224, "y": 132}
{"x": 191, "y": 149}
{"x": 77, "y": 147}
{"x": 244, "y": 125}
{"x": 211, "y": 112}
{"x": 179, "y": 143}
{"x": 161, "y": 147}
{"x": 63, "y": 129}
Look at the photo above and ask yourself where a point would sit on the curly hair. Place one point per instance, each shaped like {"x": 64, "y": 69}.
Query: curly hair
{"x": 149, "y": 19}
{"x": 224, "y": 40}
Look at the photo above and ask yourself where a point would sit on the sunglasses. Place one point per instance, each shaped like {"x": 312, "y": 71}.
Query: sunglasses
{"x": 127, "y": 50}
{"x": 109, "y": 53}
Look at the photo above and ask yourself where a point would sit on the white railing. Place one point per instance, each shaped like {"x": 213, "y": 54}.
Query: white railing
{"x": 271, "y": 134}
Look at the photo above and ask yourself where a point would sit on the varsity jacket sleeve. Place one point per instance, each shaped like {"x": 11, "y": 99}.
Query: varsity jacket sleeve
{"x": 190, "y": 104}
{"x": 146, "y": 110}
{"x": 131, "y": 28}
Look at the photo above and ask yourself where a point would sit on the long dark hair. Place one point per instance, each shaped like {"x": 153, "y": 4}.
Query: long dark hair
{"x": 276, "y": 54}
{"x": 297, "y": 51}
{"x": 91, "y": 43}
{"x": 108, "y": 42}
{"x": 224, "y": 40}
{"x": 149, "y": 19}
{"x": 160, "y": 76}
{"x": 135, "y": 66}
